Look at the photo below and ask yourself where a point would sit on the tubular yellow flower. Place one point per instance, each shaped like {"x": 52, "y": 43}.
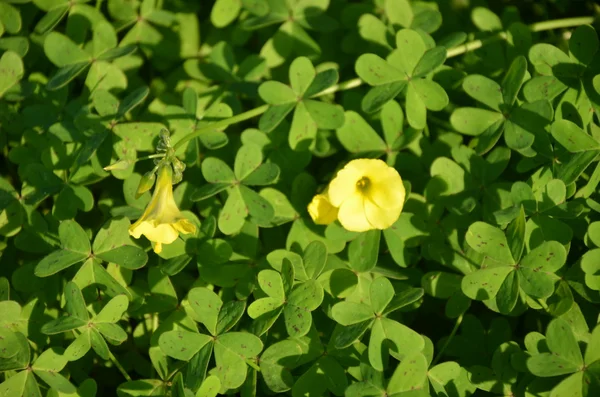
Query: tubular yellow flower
{"x": 162, "y": 221}
{"x": 369, "y": 195}
{"x": 321, "y": 210}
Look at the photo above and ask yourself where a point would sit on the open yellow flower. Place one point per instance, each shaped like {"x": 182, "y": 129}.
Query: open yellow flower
{"x": 369, "y": 194}
{"x": 321, "y": 210}
{"x": 162, "y": 221}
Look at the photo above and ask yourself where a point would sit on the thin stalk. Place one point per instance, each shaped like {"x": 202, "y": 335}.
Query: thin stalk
{"x": 452, "y": 334}
{"x": 222, "y": 123}
{"x": 119, "y": 366}
{"x": 543, "y": 305}
{"x": 152, "y": 156}
{"x": 346, "y": 85}
{"x": 534, "y": 27}
{"x": 561, "y": 23}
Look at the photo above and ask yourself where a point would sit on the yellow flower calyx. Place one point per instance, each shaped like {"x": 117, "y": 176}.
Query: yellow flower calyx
{"x": 162, "y": 221}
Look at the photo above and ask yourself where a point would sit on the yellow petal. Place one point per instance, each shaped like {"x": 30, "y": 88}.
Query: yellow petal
{"x": 381, "y": 218}
{"x": 321, "y": 210}
{"x": 184, "y": 226}
{"x": 161, "y": 233}
{"x": 158, "y": 248}
{"x": 344, "y": 184}
{"x": 387, "y": 189}
{"x": 352, "y": 215}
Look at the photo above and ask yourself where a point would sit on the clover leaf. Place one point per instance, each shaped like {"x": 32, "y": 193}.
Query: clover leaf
{"x": 405, "y": 69}
{"x": 520, "y": 123}
{"x": 563, "y": 356}
{"x": 358, "y": 317}
{"x": 72, "y": 60}
{"x": 233, "y": 351}
{"x": 46, "y": 366}
{"x": 357, "y": 136}
{"x": 112, "y": 244}
{"x": 296, "y": 302}
{"x": 91, "y": 332}
{"x": 309, "y": 114}
{"x": 291, "y": 36}
{"x": 503, "y": 275}
{"x": 249, "y": 170}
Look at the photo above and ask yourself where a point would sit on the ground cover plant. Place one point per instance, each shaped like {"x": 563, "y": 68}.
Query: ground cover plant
{"x": 299, "y": 198}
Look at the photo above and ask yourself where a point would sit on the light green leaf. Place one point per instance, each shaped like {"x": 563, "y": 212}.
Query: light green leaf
{"x": 490, "y": 241}
{"x": 61, "y": 50}
{"x": 113, "y": 311}
{"x": 349, "y": 313}
{"x": 182, "y": 345}
{"x": 484, "y": 284}
{"x": 11, "y": 71}
{"x": 484, "y": 90}
{"x": 364, "y": 251}
{"x": 410, "y": 49}
{"x": 410, "y": 375}
{"x": 224, "y": 12}
{"x": 399, "y": 339}
{"x": 303, "y": 130}
{"x": 302, "y": 74}
{"x": 206, "y": 306}
{"x": 270, "y": 282}
{"x": 474, "y": 121}
{"x": 326, "y": 115}
{"x": 276, "y": 363}
{"x": 210, "y": 387}
{"x": 357, "y": 136}
{"x": 381, "y": 293}
{"x": 573, "y": 138}
{"x": 377, "y": 71}
{"x": 276, "y": 93}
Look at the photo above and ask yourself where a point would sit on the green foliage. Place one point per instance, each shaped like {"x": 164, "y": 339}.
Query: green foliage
{"x": 487, "y": 284}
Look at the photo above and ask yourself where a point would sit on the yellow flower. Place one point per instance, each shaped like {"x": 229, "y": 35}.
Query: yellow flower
{"x": 162, "y": 221}
{"x": 321, "y": 210}
{"x": 369, "y": 194}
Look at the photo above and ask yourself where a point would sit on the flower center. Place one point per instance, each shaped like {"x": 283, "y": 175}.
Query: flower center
{"x": 363, "y": 184}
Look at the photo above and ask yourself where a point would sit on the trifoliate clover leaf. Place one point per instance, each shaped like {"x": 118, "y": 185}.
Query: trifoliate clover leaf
{"x": 91, "y": 332}
{"x": 405, "y": 69}
{"x": 72, "y": 60}
{"x": 501, "y": 277}
{"x": 242, "y": 201}
{"x": 309, "y": 114}
{"x": 564, "y": 357}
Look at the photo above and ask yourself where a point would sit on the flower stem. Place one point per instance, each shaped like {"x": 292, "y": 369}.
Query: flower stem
{"x": 535, "y": 27}
{"x": 346, "y": 85}
{"x": 119, "y": 366}
{"x": 452, "y": 334}
{"x": 561, "y": 23}
{"x": 222, "y": 123}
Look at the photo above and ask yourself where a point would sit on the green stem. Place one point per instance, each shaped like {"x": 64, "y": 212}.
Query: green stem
{"x": 561, "y": 23}
{"x": 119, "y": 366}
{"x": 356, "y": 82}
{"x": 222, "y": 123}
{"x": 152, "y": 156}
{"x": 535, "y": 27}
{"x": 346, "y": 85}
{"x": 543, "y": 305}
{"x": 452, "y": 334}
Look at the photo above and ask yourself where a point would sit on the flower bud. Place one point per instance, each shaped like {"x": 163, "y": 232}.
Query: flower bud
{"x": 178, "y": 168}
{"x": 119, "y": 165}
{"x": 146, "y": 183}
